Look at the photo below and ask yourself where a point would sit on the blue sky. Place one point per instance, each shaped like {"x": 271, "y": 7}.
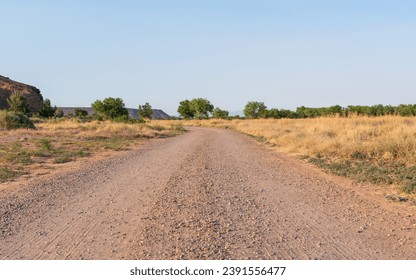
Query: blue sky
{"x": 284, "y": 53}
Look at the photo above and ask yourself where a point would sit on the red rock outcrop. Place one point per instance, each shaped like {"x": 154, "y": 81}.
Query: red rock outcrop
{"x": 33, "y": 96}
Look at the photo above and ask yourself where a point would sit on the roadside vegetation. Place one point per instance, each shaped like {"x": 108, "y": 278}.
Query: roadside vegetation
{"x": 58, "y": 141}
{"x": 379, "y": 150}
{"x": 15, "y": 120}
{"x": 372, "y": 144}
{"x": 45, "y": 139}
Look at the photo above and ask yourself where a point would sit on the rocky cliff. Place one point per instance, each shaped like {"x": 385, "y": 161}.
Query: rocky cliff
{"x": 33, "y": 96}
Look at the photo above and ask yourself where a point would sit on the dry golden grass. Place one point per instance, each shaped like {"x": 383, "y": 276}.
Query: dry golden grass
{"x": 389, "y": 139}
{"x": 379, "y": 150}
{"x": 60, "y": 141}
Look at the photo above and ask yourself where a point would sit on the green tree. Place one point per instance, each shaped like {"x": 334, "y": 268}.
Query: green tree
{"x": 110, "y": 108}
{"x": 288, "y": 114}
{"x": 273, "y": 113}
{"x": 219, "y": 113}
{"x": 406, "y": 110}
{"x": 301, "y": 111}
{"x": 17, "y": 103}
{"x": 184, "y": 109}
{"x": 46, "y": 110}
{"x": 377, "y": 110}
{"x": 389, "y": 110}
{"x": 335, "y": 110}
{"x": 254, "y": 110}
{"x": 196, "y": 108}
{"x": 201, "y": 108}
{"x": 145, "y": 111}
{"x": 81, "y": 113}
{"x": 306, "y": 112}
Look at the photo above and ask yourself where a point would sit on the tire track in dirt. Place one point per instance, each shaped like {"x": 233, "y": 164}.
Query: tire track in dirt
{"x": 200, "y": 215}
{"x": 233, "y": 199}
{"x": 91, "y": 213}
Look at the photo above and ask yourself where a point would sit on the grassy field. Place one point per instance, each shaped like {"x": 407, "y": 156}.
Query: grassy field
{"x": 59, "y": 141}
{"x": 379, "y": 150}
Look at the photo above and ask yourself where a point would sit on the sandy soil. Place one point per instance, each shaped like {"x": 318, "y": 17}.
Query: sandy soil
{"x": 208, "y": 194}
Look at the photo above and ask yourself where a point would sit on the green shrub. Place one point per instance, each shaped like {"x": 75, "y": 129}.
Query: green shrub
{"x": 13, "y": 120}
{"x": 157, "y": 127}
{"x": 17, "y": 103}
{"x": 44, "y": 148}
{"x": 7, "y": 174}
{"x": 62, "y": 159}
{"x": 45, "y": 144}
{"x": 81, "y": 113}
{"x": 16, "y": 154}
{"x": 121, "y": 119}
{"x": 46, "y": 110}
{"x": 177, "y": 127}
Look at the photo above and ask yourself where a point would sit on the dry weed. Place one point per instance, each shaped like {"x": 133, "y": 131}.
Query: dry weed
{"x": 60, "y": 141}
{"x": 379, "y": 150}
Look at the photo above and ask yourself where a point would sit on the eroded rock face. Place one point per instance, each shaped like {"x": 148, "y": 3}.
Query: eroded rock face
{"x": 33, "y": 96}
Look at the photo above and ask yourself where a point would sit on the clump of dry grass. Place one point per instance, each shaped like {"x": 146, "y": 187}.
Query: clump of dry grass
{"x": 375, "y": 149}
{"x": 101, "y": 129}
{"x": 388, "y": 139}
{"x": 60, "y": 141}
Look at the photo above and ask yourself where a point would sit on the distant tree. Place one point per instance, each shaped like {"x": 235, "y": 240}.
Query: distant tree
{"x": 59, "y": 113}
{"x": 377, "y": 110}
{"x": 333, "y": 111}
{"x": 81, "y": 113}
{"x": 406, "y": 110}
{"x": 254, "y": 110}
{"x": 110, "y": 108}
{"x": 145, "y": 111}
{"x": 361, "y": 110}
{"x": 184, "y": 109}
{"x": 301, "y": 112}
{"x": 17, "y": 103}
{"x": 389, "y": 110}
{"x": 201, "y": 108}
{"x": 219, "y": 113}
{"x": 288, "y": 114}
{"x": 273, "y": 113}
{"x": 306, "y": 112}
{"x": 46, "y": 110}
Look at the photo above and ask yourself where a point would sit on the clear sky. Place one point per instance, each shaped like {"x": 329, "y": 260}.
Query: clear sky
{"x": 284, "y": 53}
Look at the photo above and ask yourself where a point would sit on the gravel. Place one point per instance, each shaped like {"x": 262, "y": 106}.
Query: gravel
{"x": 208, "y": 194}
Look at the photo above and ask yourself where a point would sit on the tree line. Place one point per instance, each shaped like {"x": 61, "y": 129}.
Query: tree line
{"x": 17, "y": 114}
{"x": 371, "y": 111}
{"x": 200, "y": 108}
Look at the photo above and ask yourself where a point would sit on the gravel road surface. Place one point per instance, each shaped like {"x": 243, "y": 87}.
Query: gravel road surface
{"x": 207, "y": 194}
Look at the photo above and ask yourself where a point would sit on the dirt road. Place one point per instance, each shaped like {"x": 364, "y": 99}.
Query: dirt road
{"x": 207, "y": 194}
